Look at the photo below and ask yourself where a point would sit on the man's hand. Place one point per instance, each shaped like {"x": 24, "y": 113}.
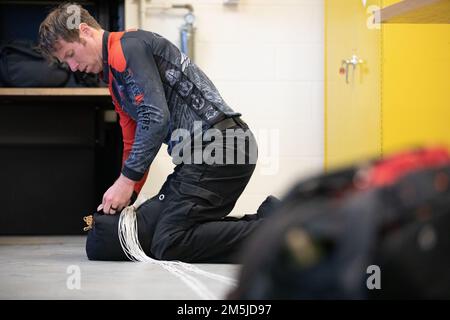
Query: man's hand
{"x": 117, "y": 196}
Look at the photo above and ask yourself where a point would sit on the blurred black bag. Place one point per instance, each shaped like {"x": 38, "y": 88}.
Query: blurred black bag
{"x": 22, "y": 65}
{"x": 332, "y": 229}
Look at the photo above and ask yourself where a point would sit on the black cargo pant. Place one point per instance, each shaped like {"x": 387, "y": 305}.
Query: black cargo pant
{"x": 192, "y": 225}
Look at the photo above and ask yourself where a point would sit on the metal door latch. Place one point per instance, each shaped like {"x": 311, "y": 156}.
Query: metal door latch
{"x": 353, "y": 61}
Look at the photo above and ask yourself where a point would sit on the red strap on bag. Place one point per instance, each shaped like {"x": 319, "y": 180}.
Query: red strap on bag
{"x": 389, "y": 170}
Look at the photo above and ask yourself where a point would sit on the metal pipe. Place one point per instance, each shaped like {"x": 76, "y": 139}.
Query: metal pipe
{"x": 187, "y": 35}
{"x": 187, "y": 6}
{"x": 142, "y": 13}
{"x": 187, "y": 30}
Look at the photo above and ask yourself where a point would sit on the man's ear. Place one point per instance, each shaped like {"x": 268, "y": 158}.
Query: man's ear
{"x": 85, "y": 30}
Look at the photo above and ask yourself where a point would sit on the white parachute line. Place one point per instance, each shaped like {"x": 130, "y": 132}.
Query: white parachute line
{"x": 128, "y": 238}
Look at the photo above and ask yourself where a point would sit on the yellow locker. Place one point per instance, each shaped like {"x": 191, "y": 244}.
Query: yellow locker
{"x": 398, "y": 97}
{"x": 415, "y": 84}
{"x": 352, "y": 105}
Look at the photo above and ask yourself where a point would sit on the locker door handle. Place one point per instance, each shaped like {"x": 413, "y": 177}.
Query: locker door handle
{"x": 353, "y": 61}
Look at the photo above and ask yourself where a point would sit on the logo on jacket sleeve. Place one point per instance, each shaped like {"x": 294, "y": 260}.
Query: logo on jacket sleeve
{"x": 135, "y": 92}
{"x": 172, "y": 76}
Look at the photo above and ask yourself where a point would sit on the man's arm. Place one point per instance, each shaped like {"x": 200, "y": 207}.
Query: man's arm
{"x": 143, "y": 83}
{"x": 139, "y": 74}
{"x": 128, "y": 126}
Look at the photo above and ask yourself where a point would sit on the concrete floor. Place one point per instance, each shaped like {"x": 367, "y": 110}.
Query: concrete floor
{"x": 42, "y": 267}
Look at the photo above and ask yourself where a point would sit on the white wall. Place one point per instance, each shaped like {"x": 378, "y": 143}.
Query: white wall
{"x": 266, "y": 59}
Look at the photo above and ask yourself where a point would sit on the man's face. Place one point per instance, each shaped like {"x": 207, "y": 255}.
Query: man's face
{"x": 83, "y": 56}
